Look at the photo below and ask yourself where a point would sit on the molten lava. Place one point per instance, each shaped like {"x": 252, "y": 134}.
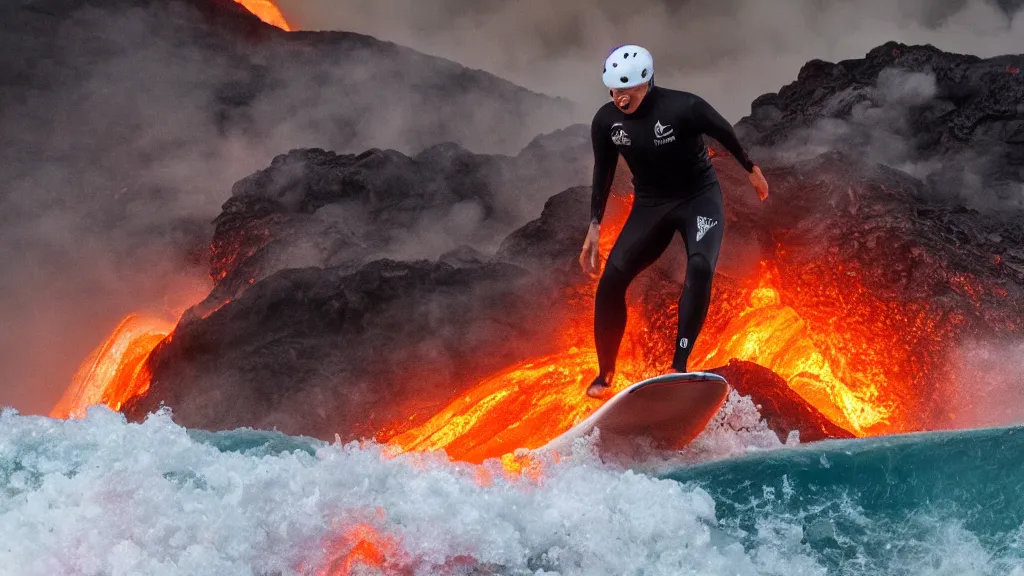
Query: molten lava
{"x": 855, "y": 358}
{"x": 116, "y": 371}
{"x": 267, "y": 11}
{"x": 523, "y": 407}
{"x": 359, "y": 547}
{"x": 775, "y": 336}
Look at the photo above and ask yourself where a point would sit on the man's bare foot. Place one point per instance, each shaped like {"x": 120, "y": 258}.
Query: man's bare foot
{"x": 599, "y": 387}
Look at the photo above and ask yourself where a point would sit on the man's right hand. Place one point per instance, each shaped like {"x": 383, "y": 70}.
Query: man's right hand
{"x": 759, "y": 183}
{"x": 591, "y": 248}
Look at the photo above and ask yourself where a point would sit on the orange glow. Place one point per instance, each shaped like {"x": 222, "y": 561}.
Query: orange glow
{"x": 523, "y": 407}
{"x": 355, "y": 546}
{"x": 116, "y": 371}
{"x": 855, "y": 358}
{"x": 531, "y": 403}
{"x": 360, "y": 546}
{"x": 267, "y": 11}
{"x": 774, "y": 335}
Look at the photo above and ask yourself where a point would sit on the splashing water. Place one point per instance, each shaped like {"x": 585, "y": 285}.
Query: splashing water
{"x": 99, "y": 496}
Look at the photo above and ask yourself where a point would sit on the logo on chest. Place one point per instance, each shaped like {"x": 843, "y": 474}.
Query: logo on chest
{"x": 663, "y": 134}
{"x": 619, "y": 136}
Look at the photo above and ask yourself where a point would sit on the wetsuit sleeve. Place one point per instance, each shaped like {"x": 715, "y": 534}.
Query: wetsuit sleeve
{"x": 713, "y": 124}
{"x": 606, "y": 156}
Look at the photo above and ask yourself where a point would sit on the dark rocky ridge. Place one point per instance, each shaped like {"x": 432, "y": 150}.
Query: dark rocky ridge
{"x": 317, "y": 351}
{"x": 783, "y": 409}
{"x": 363, "y": 342}
{"x": 317, "y": 208}
{"x": 955, "y": 121}
{"x": 259, "y": 79}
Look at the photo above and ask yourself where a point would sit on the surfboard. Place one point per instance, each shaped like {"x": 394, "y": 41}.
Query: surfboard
{"x": 668, "y": 410}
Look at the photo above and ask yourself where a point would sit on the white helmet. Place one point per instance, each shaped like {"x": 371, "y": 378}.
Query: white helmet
{"x": 628, "y": 66}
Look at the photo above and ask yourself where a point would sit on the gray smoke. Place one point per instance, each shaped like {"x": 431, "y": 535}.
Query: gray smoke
{"x": 124, "y": 125}
{"x": 986, "y": 389}
{"x": 729, "y": 51}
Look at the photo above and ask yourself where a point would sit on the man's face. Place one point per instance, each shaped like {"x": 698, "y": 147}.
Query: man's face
{"x": 628, "y": 99}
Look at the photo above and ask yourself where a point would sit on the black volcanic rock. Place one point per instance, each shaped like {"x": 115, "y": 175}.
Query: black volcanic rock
{"x": 835, "y": 212}
{"x": 317, "y": 351}
{"x": 955, "y": 121}
{"x": 162, "y": 101}
{"x": 123, "y": 123}
{"x": 553, "y": 240}
{"x": 318, "y": 208}
{"x": 260, "y": 82}
{"x": 782, "y": 408}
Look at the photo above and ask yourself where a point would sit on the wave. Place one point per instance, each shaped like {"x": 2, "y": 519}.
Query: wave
{"x": 101, "y": 496}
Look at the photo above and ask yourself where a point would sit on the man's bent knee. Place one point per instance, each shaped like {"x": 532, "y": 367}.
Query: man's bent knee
{"x": 699, "y": 269}
{"x": 612, "y": 276}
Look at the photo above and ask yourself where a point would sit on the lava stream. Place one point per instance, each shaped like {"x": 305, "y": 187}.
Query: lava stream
{"x": 267, "y": 11}
{"x": 523, "y": 407}
{"x": 116, "y": 371}
{"x": 775, "y": 336}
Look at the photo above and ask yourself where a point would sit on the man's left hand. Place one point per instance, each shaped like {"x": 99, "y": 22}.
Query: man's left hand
{"x": 759, "y": 183}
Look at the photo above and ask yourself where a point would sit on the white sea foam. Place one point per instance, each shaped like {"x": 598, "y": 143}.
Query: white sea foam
{"x": 101, "y": 496}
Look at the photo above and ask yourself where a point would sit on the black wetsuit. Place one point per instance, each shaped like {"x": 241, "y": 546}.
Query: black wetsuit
{"x": 676, "y": 190}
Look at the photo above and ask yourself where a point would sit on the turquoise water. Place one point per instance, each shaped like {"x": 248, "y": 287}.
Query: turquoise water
{"x": 952, "y": 502}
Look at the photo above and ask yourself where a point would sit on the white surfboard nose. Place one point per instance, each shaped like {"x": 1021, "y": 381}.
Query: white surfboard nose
{"x": 670, "y": 410}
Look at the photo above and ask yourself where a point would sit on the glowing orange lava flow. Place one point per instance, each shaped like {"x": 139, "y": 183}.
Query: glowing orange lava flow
{"x": 523, "y": 407}
{"x": 116, "y": 371}
{"x": 857, "y": 359}
{"x": 359, "y": 548}
{"x": 267, "y": 11}
{"x": 530, "y": 404}
{"x": 776, "y": 337}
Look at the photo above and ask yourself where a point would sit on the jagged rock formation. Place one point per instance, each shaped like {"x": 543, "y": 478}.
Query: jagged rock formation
{"x": 165, "y": 104}
{"x": 251, "y": 80}
{"x": 317, "y": 351}
{"x": 784, "y": 410}
{"x": 318, "y": 208}
{"x": 955, "y": 121}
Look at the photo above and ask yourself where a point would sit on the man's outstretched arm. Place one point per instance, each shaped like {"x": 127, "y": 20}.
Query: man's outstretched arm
{"x": 713, "y": 124}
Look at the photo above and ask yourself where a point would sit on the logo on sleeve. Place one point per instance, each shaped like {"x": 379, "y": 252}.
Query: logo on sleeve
{"x": 619, "y": 135}
{"x": 663, "y": 133}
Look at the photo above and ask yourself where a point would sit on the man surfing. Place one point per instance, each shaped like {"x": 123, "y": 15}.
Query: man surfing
{"x": 659, "y": 133}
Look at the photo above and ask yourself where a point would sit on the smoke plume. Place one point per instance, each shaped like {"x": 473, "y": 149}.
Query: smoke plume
{"x": 986, "y": 388}
{"x": 729, "y": 51}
